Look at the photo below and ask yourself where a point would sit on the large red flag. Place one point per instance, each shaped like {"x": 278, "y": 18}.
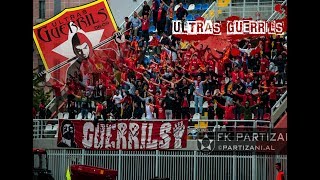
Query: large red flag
{"x": 78, "y": 38}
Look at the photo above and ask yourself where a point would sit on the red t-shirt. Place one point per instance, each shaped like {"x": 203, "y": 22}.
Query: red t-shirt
{"x": 34, "y": 112}
{"x": 130, "y": 63}
{"x": 201, "y": 53}
{"x": 152, "y": 88}
{"x": 71, "y": 88}
{"x": 141, "y": 70}
{"x": 185, "y": 102}
{"x": 159, "y": 15}
{"x": 99, "y": 108}
{"x": 57, "y": 89}
{"x": 273, "y": 93}
{"x": 249, "y": 75}
{"x": 187, "y": 54}
{"x": 264, "y": 63}
{"x": 210, "y": 63}
{"x": 161, "y": 113}
{"x": 164, "y": 88}
{"x": 241, "y": 75}
{"x": 145, "y": 24}
{"x": 195, "y": 63}
{"x": 234, "y": 76}
{"x": 280, "y": 175}
{"x": 267, "y": 46}
{"x": 154, "y": 42}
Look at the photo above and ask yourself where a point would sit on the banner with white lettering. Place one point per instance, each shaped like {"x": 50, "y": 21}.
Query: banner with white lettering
{"x": 123, "y": 134}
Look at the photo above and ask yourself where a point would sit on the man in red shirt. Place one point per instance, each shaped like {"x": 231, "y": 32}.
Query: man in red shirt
{"x": 99, "y": 108}
{"x": 160, "y": 110}
{"x": 154, "y": 44}
{"x": 201, "y": 52}
{"x": 280, "y": 174}
{"x": 264, "y": 63}
{"x": 57, "y": 88}
{"x": 195, "y": 62}
{"x": 211, "y": 59}
{"x": 272, "y": 93}
{"x": 145, "y": 27}
{"x": 161, "y": 19}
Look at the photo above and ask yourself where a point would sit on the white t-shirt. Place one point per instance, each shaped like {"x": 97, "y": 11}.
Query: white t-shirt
{"x": 117, "y": 99}
{"x": 148, "y": 112}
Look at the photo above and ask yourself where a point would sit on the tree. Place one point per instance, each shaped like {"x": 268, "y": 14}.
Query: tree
{"x": 39, "y": 93}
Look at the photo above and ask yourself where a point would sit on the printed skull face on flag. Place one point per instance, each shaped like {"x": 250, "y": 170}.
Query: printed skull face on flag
{"x": 82, "y": 38}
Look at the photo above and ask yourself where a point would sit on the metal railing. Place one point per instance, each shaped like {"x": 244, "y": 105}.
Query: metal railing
{"x": 207, "y": 12}
{"x": 176, "y": 164}
{"x": 255, "y": 10}
{"x": 276, "y": 15}
{"x": 279, "y": 108}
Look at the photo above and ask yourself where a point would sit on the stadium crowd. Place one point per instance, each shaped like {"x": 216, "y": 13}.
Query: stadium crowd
{"x": 158, "y": 78}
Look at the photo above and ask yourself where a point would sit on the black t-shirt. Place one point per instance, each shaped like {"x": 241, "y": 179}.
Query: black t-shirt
{"x": 145, "y": 9}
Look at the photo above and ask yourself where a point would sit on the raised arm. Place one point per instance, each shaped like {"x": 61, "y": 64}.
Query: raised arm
{"x": 149, "y": 93}
{"x": 189, "y": 80}
{"x": 220, "y": 106}
{"x": 165, "y": 3}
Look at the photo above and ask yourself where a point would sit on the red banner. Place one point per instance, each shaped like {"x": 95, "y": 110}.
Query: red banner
{"x": 84, "y": 37}
{"x": 123, "y": 134}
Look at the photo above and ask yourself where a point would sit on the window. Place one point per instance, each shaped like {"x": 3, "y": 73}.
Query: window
{"x": 42, "y": 9}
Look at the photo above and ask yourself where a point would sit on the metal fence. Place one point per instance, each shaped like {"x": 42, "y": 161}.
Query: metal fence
{"x": 175, "y": 164}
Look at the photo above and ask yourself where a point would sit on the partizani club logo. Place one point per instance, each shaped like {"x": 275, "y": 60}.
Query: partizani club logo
{"x": 206, "y": 145}
{"x": 255, "y": 141}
